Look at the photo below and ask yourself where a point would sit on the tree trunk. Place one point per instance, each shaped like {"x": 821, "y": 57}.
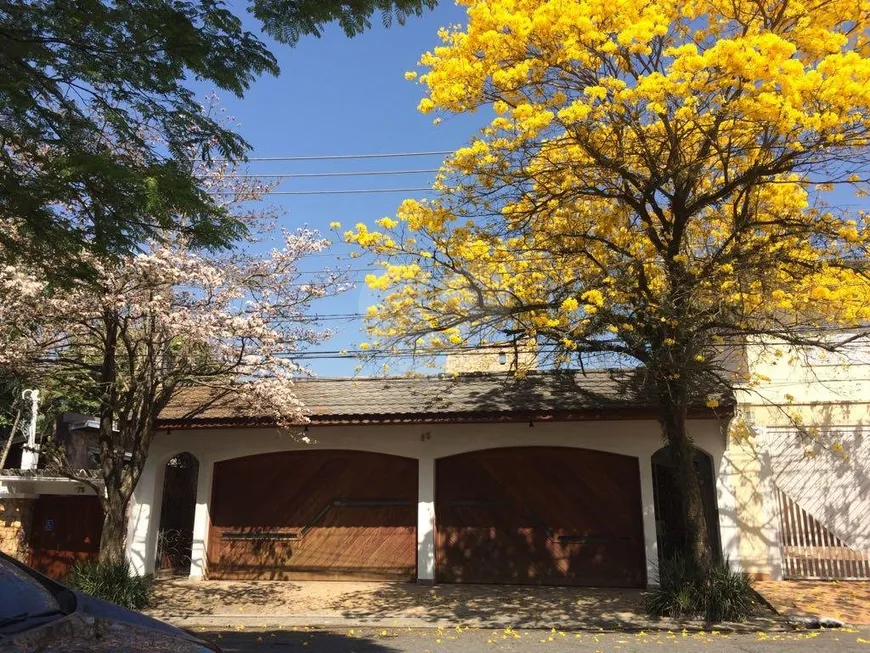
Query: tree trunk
{"x": 8, "y": 444}
{"x": 694, "y": 536}
{"x": 111, "y": 452}
{"x": 113, "y": 539}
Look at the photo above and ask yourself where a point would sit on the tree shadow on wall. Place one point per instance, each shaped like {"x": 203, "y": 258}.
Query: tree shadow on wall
{"x": 536, "y": 556}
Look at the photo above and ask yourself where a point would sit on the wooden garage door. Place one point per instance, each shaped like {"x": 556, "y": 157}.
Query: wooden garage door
{"x": 65, "y": 530}
{"x": 539, "y": 515}
{"x": 314, "y": 514}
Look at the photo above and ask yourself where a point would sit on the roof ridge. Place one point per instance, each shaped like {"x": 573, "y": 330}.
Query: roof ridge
{"x": 447, "y": 376}
{"x": 543, "y": 392}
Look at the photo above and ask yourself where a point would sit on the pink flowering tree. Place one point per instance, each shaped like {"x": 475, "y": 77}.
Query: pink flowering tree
{"x": 148, "y": 326}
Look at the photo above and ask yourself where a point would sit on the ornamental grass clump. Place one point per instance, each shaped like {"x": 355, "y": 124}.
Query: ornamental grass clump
{"x": 112, "y": 581}
{"x": 686, "y": 592}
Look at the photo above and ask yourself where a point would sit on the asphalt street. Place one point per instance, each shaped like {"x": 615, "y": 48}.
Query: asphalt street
{"x": 468, "y": 640}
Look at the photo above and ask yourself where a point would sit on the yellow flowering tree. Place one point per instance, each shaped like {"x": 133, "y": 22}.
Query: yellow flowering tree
{"x": 653, "y": 184}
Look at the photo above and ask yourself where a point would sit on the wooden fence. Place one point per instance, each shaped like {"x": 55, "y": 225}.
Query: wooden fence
{"x": 811, "y": 551}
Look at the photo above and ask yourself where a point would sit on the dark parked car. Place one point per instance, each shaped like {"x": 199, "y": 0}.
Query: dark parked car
{"x": 39, "y": 614}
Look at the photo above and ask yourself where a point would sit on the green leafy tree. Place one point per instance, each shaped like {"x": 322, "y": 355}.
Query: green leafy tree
{"x": 288, "y": 20}
{"x": 78, "y": 77}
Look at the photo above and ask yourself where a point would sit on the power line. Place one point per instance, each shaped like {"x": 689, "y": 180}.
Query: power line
{"x": 336, "y": 157}
{"x": 339, "y": 268}
{"x": 294, "y": 175}
{"x": 823, "y": 329}
{"x": 332, "y": 255}
{"x": 381, "y": 355}
{"x": 335, "y": 192}
{"x": 429, "y": 350}
{"x": 417, "y": 352}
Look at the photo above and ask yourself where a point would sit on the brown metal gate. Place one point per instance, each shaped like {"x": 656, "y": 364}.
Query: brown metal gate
{"x": 539, "y": 515}
{"x": 811, "y": 551}
{"x": 314, "y": 514}
{"x": 65, "y": 530}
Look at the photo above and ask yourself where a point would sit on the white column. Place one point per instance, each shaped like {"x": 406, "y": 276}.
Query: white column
{"x": 647, "y": 498}
{"x": 426, "y": 521}
{"x": 30, "y": 453}
{"x": 144, "y": 517}
{"x": 729, "y": 474}
{"x": 201, "y": 519}
{"x": 771, "y": 521}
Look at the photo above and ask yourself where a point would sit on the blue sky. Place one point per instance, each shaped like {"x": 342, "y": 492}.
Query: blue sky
{"x": 339, "y": 96}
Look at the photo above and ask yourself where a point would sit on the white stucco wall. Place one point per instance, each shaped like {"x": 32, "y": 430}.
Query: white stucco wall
{"x": 426, "y": 443}
{"x": 782, "y": 375}
{"x": 832, "y": 487}
{"x": 810, "y": 411}
{"x": 22, "y": 487}
{"x": 747, "y": 476}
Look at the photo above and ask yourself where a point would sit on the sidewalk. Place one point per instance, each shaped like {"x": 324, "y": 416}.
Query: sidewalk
{"x": 848, "y": 601}
{"x": 263, "y": 604}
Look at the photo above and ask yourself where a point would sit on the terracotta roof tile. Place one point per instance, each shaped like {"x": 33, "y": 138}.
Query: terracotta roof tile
{"x": 468, "y": 397}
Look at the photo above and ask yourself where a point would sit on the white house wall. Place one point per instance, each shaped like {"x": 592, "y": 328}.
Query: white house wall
{"x": 832, "y": 486}
{"x": 23, "y": 487}
{"x": 810, "y": 410}
{"x": 782, "y": 376}
{"x": 425, "y": 443}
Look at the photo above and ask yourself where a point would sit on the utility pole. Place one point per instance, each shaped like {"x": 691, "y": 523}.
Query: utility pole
{"x": 30, "y": 454}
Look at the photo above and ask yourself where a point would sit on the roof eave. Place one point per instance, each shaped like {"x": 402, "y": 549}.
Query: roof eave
{"x": 469, "y": 417}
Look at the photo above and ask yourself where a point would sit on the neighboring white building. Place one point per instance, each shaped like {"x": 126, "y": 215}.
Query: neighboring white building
{"x": 804, "y": 489}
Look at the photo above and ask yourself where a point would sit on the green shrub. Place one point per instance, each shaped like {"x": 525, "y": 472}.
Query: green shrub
{"x": 729, "y": 595}
{"x": 720, "y": 594}
{"x": 676, "y": 596}
{"x": 112, "y": 582}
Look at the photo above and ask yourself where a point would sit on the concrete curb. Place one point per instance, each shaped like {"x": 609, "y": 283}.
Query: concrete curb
{"x": 234, "y": 621}
{"x": 814, "y": 622}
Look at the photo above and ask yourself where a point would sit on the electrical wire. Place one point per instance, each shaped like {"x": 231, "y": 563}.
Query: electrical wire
{"x": 361, "y": 191}
{"x": 295, "y": 175}
{"x": 343, "y": 157}
{"x": 428, "y": 352}
{"x": 347, "y": 317}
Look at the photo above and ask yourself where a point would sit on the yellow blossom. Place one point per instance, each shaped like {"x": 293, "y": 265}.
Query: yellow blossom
{"x": 593, "y": 297}
{"x": 570, "y": 304}
{"x": 388, "y": 223}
